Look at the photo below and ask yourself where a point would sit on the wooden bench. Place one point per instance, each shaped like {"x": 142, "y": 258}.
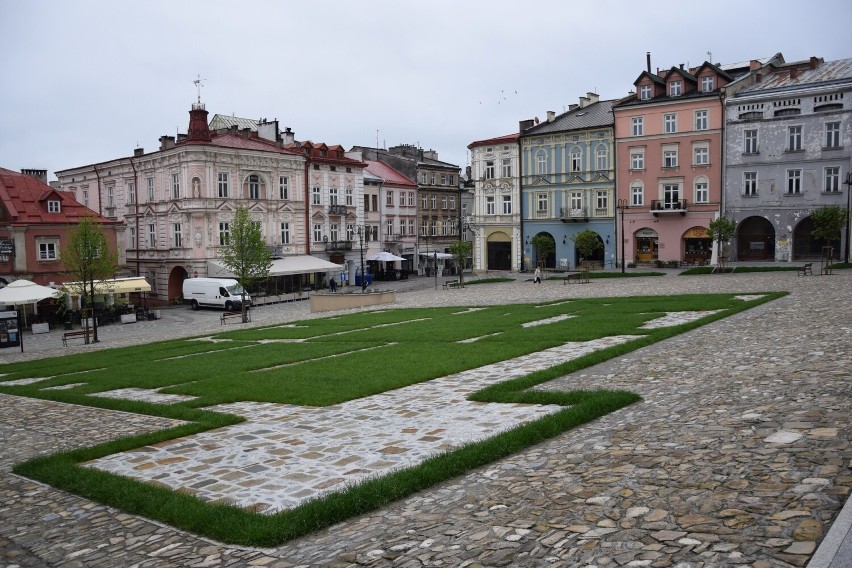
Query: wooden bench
{"x": 805, "y": 270}
{"x": 72, "y": 334}
{"x": 451, "y": 284}
{"x": 578, "y": 277}
{"x": 228, "y": 315}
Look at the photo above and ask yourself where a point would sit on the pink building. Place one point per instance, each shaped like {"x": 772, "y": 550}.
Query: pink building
{"x": 669, "y": 163}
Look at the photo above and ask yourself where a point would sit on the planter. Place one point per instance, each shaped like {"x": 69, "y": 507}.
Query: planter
{"x": 41, "y": 328}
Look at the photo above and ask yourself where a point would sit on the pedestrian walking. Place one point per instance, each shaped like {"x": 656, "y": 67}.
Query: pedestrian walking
{"x": 537, "y": 277}
{"x": 332, "y": 284}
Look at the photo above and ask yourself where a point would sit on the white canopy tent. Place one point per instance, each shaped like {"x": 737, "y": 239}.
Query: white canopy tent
{"x": 22, "y": 292}
{"x": 384, "y": 256}
{"x": 289, "y": 265}
{"x": 439, "y": 255}
{"x": 113, "y": 286}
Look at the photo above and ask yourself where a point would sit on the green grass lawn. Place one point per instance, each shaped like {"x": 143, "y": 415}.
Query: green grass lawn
{"x": 309, "y": 363}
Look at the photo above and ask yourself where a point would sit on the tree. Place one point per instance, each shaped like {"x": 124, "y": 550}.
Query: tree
{"x": 460, "y": 251}
{"x": 544, "y": 246}
{"x": 245, "y": 253}
{"x": 87, "y": 257}
{"x": 722, "y": 230}
{"x": 828, "y": 223}
{"x": 587, "y": 242}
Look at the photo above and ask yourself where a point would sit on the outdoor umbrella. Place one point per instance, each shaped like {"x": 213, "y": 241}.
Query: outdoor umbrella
{"x": 384, "y": 256}
{"x": 22, "y": 292}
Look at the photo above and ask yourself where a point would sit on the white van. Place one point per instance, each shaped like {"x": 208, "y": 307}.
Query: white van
{"x": 214, "y": 292}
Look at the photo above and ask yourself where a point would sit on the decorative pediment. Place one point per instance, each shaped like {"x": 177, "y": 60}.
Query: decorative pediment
{"x": 286, "y": 208}
{"x": 173, "y": 209}
{"x": 226, "y": 206}
{"x": 601, "y": 177}
{"x": 257, "y": 208}
{"x": 575, "y": 179}
{"x": 148, "y": 211}
{"x": 319, "y": 216}
{"x": 541, "y": 181}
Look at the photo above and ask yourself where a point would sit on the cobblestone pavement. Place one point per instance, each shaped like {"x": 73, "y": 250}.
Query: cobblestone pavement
{"x": 738, "y": 455}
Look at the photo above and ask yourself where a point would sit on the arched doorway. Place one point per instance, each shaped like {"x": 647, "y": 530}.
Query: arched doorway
{"x": 647, "y": 242}
{"x": 807, "y": 247}
{"x": 549, "y": 260}
{"x": 176, "y": 278}
{"x": 597, "y": 258}
{"x": 698, "y": 246}
{"x": 499, "y": 251}
{"x": 755, "y": 239}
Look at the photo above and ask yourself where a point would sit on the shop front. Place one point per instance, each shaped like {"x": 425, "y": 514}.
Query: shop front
{"x": 647, "y": 245}
{"x": 698, "y": 246}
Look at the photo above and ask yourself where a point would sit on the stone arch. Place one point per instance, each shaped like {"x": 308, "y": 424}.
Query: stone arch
{"x": 175, "y": 287}
{"x": 755, "y": 239}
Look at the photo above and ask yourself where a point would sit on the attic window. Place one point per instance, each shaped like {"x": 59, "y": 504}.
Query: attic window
{"x": 829, "y": 107}
{"x": 675, "y": 88}
{"x": 644, "y": 92}
{"x": 788, "y": 112}
{"x": 53, "y": 206}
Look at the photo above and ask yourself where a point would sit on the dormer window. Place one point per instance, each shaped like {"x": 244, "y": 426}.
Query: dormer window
{"x": 645, "y": 92}
{"x": 675, "y": 88}
{"x": 707, "y": 84}
{"x": 53, "y": 206}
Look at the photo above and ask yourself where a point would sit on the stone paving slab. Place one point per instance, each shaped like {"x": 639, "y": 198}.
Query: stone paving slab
{"x": 694, "y": 458}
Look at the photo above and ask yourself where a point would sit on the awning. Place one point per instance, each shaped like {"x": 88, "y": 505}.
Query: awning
{"x": 114, "y": 286}
{"x": 441, "y": 255}
{"x": 297, "y": 264}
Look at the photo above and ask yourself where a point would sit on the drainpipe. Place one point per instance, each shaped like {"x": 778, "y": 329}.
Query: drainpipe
{"x": 100, "y": 201}
{"x": 136, "y": 214}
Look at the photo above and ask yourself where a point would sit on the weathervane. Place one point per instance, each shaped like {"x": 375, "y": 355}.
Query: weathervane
{"x": 198, "y": 84}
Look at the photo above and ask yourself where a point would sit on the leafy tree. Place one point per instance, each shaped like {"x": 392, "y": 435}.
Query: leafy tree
{"x": 722, "y": 230}
{"x": 828, "y": 223}
{"x": 87, "y": 257}
{"x": 246, "y": 254}
{"x": 460, "y": 251}
{"x": 587, "y": 243}
{"x": 544, "y": 246}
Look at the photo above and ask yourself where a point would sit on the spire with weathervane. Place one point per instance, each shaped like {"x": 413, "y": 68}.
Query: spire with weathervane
{"x": 198, "y": 131}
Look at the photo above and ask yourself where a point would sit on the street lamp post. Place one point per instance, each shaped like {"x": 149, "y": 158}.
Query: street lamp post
{"x": 360, "y": 230}
{"x": 622, "y": 206}
{"x": 848, "y": 184}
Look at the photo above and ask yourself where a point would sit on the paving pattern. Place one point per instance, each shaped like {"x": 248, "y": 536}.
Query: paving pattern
{"x": 739, "y": 455}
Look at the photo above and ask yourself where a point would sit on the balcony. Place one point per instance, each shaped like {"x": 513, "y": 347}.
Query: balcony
{"x": 337, "y": 210}
{"x": 275, "y": 251}
{"x": 332, "y": 246}
{"x": 567, "y": 214}
{"x": 393, "y": 238}
{"x": 668, "y": 207}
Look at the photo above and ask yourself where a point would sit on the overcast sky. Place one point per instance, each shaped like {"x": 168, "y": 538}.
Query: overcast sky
{"x": 88, "y": 81}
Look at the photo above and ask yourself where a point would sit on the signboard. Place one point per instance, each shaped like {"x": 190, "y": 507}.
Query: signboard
{"x": 7, "y": 247}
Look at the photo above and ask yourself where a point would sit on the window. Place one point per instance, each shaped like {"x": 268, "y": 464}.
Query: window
{"x": 411, "y": 227}
{"x": 283, "y": 187}
{"x": 285, "y": 233}
{"x": 434, "y": 228}
{"x": 150, "y": 186}
{"x": 452, "y": 202}
{"x": 700, "y": 155}
{"x": 576, "y": 160}
{"x": 222, "y": 185}
{"x": 794, "y": 182}
{"x": 350, "y": 197}
{"x": 602, "y": 157}
{"x": 670, "y": 123}
{"x": 452, "y": 179}
{"x": 224, "y": 233}
{"x": 542, "y": 201}
{"x": 332, "y": 196}
{"x": 389, "y": 198}
{"x": 433, "y": 201}
{"x": 423, "y": 177}
{"x": 750, "y": 184}
{"x": 645, "y": 92}
{"x": 131, "y": 194}
{"x": 389, "y": 227}
{"x": 423, "y": 201}
{"x": 506, "y": 167}
{"x": 707, "y": 84}
{"x": 701, "y": 122}
{"x": 637, "y": 194}
{"x": 750, "y": 142}
{"x": 443, "y": 179}
{"x": 86, "y": 197}
{"x": 832, "y": 180}
{"x": 177, "y": 236}
{"x": 375, "y": 200}
{"x": 424, "y": 228}
{"x": 794, "y": 138}
{"x": 432, "y": 178}
{"x": 576, "y": 198}
{"x": 671, "y": 196}
{"x": 489, "y": 205}
{"x": 675, "y": 88}
{"x": 507, "y": 205}
{"x": 132, "y": 237}
{"x": 832, "y": 135}
{"x": 602, "y": 199}
{"x": 316, "y": 195}
{"x": 637, "y": 159}
{"x": 48, "y": 250}
{"x": 443, "y": 202}
{"x": 411, "y": 199}
{"x": 110, "y": 200}
{"x": 53, "y": 206}
{"x": 152, "y": 235}
{"x": 317, "y": 232}
{"x": 254, "y": 187}
{"x": 334, "y": 229}
{"x": 638, "y": 123}
{"x": 175, "y": 186}
{"x": 670, "y": 158}
{"x": 541, "y": 158}
{"x": 702, "y": 191}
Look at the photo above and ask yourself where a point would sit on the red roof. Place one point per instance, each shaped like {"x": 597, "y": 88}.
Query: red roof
{"x": 24, "y": 202}
{"x": 389, "y": 174}
{"x": 499, "y": 140}
{"x": 228, "y": 140}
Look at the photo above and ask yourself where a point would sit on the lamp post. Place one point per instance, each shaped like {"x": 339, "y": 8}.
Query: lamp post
{"x": 622, "y": 206}
{"x": 360, "y": 229}
{"x": 848, "y": 184}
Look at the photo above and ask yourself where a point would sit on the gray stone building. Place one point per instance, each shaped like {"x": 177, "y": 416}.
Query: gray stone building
{"x": 788, "y": 146}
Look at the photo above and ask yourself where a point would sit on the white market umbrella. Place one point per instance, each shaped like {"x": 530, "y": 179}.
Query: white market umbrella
{"x": 22, "y": 292}
{"x": 385, "y": 256}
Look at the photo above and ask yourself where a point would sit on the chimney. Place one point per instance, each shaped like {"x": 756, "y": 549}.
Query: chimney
{"x": 794, "y": 72}
{"x": 594, "y": 97}
{"x": 246, "y": 132}
{"x": 181, "y": 137}
{"x": 681, "y": 66}
{"x": 753, "y": 65}
{"x": 167, "y": 142}
{"x": 648, "y": 59}
{"x": 198, "y": 131}
{"x": 813, "y": 62}
{"x": 138, "y": 152}
{"x": 289, "y": 136}
{"x": 550, "y": 115}
{"x": 584, "y": 102}
{"x": 572, "y": 106}
{"x": 40, "y": 175}
{"x": 524, "y": 124}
